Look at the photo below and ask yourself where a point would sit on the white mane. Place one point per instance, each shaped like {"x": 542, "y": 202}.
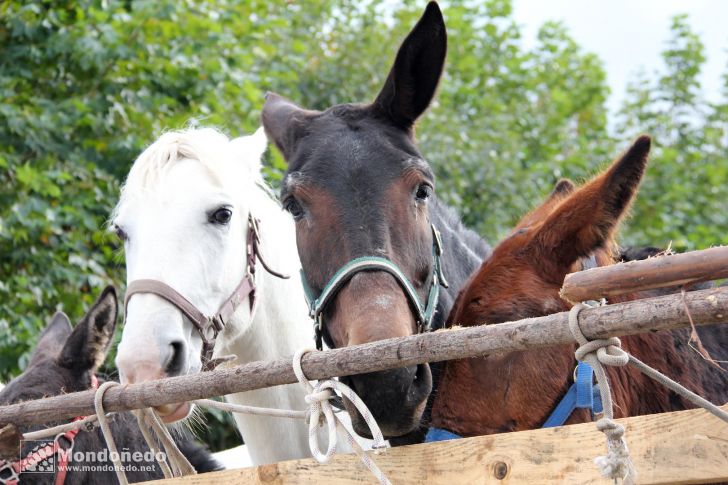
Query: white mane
{"x": 227, "y": 161}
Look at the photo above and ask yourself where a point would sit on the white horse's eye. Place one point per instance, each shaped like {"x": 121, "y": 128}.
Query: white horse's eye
{"x": 221, "y": 216}
{"x": 119, "y": 232}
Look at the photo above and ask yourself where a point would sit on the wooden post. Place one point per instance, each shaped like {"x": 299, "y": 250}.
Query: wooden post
{"x": 678, "y": 447}
{"x": 659, "y": 272}
{"x": 661, "y": 313}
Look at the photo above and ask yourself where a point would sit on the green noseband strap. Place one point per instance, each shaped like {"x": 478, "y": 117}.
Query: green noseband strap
{"x": 423, "y": 314}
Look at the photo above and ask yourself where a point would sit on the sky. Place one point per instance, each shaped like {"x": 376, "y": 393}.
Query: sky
{"x": 630, "y": 34}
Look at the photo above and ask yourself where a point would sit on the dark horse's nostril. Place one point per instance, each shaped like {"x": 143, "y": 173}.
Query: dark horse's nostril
{"x": 176, "y": 359}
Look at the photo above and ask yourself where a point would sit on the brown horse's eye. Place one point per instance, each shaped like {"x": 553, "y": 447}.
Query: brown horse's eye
{"x": 294, "y": 208}
{"x": 423, "y": 192}
{"x": 221, "y": 216}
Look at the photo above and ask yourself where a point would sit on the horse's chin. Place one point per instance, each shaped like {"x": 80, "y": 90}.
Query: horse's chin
{"x": 171, "y": 413}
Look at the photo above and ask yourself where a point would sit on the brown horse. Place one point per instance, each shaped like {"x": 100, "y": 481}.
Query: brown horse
{"x": 519, "y": 390}
{"x": 363, "y": 200}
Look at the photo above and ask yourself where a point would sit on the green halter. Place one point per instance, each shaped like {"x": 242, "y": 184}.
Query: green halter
{"x": 423, "y": 314}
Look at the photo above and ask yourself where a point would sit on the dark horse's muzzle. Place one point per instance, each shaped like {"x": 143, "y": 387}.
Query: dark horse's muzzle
{"x": 395, "y": 397}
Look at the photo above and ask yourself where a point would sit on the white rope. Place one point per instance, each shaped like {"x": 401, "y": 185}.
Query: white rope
{"x": 86, "y": 423}
{"x": 320, "y": 407}
{"x": 106, "y": 430}
{"x": 239, "y": 408}
{"x": 597, "y": 353}
{"x": 148, "y": 420}
{"x": 617, "y": 462}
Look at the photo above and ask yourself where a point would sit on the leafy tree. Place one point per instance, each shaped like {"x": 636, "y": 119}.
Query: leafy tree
{"x": 683, "y": 198}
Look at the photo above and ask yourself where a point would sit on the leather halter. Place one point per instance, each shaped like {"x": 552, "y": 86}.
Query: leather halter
{"x": 209, "y": 327}
{"x": 423, "y": 313}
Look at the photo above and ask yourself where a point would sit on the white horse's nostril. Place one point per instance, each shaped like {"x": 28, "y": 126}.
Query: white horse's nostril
{"x": 176, "y": 359}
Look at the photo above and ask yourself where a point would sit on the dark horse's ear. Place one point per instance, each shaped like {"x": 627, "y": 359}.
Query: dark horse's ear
{"x": 52, "y": 338}
{"x": 412, "y": 82}
{"x": 86, "y": 348}
{"x": 283, "y": 122}
{"x": 585, "y": 220}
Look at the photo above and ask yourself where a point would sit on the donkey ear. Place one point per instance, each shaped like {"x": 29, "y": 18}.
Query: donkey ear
{"x": 52, "y": 338}
{"x": 86, "y": 348}
{"x": 412, "y": 82}
{"x": 562, "y": 188}
{"x": 250, "y": 149}
{"x": 283, "y": 122}
{"x": 586, "y": 220}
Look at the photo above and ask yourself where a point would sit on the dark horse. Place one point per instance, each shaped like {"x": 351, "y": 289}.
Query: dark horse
{"x": 65, "y": 361}
{"x": 519, "y": 390}
{"x": 357, "y": 186}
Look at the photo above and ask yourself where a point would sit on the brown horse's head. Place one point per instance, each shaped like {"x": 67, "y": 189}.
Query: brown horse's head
{"x": 522, "y": 279}
{"x": 523, "y": 276}
{"x": 357, "y": 186}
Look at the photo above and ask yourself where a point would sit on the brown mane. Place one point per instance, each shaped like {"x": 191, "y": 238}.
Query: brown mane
{"x": 522, "y": 278}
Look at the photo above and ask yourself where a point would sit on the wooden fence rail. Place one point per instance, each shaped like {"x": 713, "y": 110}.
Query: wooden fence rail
{"x": 669, "y": 448}
{"x": 658, "y": 272}
{"x": 661, "y": 313}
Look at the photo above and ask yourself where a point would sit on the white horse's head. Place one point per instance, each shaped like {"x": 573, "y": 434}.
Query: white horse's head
{"x": 183, "y": 216}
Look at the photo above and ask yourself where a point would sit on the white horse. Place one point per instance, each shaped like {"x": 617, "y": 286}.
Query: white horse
{"x": 183, "y": 216}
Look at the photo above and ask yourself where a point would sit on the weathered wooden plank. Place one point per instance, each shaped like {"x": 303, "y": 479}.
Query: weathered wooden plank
{"x": 666, "y": 312}
{"x": 680, "y": 447}
{"x": 659, "y": 272}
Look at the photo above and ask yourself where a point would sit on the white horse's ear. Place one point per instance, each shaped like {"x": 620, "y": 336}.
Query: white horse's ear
{"x": 250, "y": 149}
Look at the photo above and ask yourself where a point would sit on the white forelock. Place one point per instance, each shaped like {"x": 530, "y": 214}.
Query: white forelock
{"x": 227, "y": 161}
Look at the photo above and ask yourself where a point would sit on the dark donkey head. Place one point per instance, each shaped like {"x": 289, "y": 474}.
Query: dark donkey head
{"x": 66, "y": 360}
{"x": 357, "y": 187}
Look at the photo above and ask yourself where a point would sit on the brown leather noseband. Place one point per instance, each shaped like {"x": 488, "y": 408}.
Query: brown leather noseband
{"x": 209, "y": 327}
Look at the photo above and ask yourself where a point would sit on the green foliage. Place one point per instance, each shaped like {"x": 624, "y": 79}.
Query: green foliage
{"x": 87, "y": 85}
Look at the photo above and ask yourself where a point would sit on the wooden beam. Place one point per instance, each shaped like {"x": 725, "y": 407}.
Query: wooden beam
{"x": 661, "y": 313}
{"x": 658, "y": 272}
{"x": 679, "y": 447}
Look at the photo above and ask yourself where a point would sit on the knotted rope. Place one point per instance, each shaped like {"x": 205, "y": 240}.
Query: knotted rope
{"x": 148, "y": 421}
{"x": 597, "y": 353}
{"x": 320, "y": 407}
{"x": 617, "y": 462}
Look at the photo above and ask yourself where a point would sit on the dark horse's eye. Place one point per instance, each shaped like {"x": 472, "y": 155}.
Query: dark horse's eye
{"x": 221, "y": 216}
{"x": 423, "y": 192}
{"x": 294, "y": 208}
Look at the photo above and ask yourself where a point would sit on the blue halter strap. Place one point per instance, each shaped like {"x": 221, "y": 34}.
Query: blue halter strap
{"x": 423, "y": 313}
{"x": 583, "y": 394}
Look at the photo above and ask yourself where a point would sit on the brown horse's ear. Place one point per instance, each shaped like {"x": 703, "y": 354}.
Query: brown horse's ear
{"x": 585, "y": 220}
{"x": 283, "y": 122}
{"x": 86, "y": 348}
{"x": 562, "y": 189}
{"x": 413, "y": 79}
{"x": 52, "y": 338}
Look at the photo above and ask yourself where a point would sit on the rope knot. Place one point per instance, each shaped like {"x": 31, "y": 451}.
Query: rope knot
{"x": 320, "y": 410}
{"x": 617, "y": 463}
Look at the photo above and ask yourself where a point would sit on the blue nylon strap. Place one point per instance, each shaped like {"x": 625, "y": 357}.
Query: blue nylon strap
{"x": 439, "y": 434}
{"x": 584, "y": 382}
{"x": 582, "y": 394}
{"x": 563, "y": 410}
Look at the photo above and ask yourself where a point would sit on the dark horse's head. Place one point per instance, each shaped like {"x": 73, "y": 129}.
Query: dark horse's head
{"x": 357, "y": 186}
